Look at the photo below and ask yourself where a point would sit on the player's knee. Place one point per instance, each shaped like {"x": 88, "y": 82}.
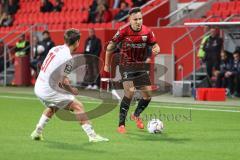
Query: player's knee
{"x": 49, "y": 112}
{"x": 147, "y": 98}
{"x": 129, "y": 95}
{"x": 77, "y": 108}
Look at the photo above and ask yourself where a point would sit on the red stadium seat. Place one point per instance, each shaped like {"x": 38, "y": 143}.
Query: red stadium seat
{"x": 114, "y": 11}
{"x": 215, "y": 7}
{"x": 83, "y": 25}
{"x": 129, "y": 2}
{"x": 97, "y": 25}
{"x": 90, "y": 25}
{"x": 215, "y": 20}
{"x": 86, "y": 4}
{"x": 74, "y": 12}
{"x": 232, "y": 6}
{"x": 225, "y": 14}
{"x": 109, "y": 25}
{"x": 85, "y": 16}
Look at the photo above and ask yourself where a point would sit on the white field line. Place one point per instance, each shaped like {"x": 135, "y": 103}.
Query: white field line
{"x": 32, "y": 93}
{"x": 197, "y": 109}
{"x": 152, "y": 105}
{"x": 92, "y": 98}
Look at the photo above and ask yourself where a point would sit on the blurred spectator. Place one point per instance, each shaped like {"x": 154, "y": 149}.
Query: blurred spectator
{"x": 1, "y": 12}
{"x": 237, "y": 49}
{"x": 6, "y": 20}
{"x": 212, "y": 48}
{"x": 22, "y": 47}
{"x": 46, "y": 6}
{"x": 138, "y": 3}
{"x": 7, "y": 9}
{"x": 1, "y": 55}
{"x": 123, "y": 11}
{"x": 38, "y": 49}
{"x": 223, "y": 80}
{"x": 58, "y": 6}
{"x": 235, "y": 74}
{"x": 201, "y": 52}
{"x": 13, "y": 6}
{"x": 103, "y": 14}
{"x": 3, "y": 17}
{"x": 92, "y": 51}
{"x": 4, "y": 6}
{"x": 93, "y": 9}
{"x": 1, "y": 7}
{"x": 47, "y": 43}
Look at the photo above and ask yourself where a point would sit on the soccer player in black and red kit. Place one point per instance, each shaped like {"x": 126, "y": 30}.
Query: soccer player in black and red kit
{"x": 135, "y": 41}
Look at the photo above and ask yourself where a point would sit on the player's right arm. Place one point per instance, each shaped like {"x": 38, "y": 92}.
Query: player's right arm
{"x": 117, "y": 38}
{"x": 110, "y": 49}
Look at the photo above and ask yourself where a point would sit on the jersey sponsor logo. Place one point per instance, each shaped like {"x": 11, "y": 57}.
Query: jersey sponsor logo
{"x": 138, "y": 45}
{"x": 144, "y": 38}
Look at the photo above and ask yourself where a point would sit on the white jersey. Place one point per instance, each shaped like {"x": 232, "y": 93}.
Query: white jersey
{"x": 56, "y": 57}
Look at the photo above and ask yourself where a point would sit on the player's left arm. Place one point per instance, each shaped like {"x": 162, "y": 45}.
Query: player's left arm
{"x": 155, "y": 49}
{"x": 153, "y": 43}
{"x": 65, "y": 82}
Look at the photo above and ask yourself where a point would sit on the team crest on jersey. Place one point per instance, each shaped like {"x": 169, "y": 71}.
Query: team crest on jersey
{"x": 144, "y": 38}
{"x": 117, "y": 34}
{"x": 68, "y": 68}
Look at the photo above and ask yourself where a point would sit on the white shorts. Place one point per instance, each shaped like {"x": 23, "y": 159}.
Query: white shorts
{"x": 50, "y": 97}
{"x": 56, "y": 103}
{"x": 55, "y": 99}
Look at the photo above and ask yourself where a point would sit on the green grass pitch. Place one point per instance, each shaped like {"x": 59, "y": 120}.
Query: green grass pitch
{"x": 210, "y": 133}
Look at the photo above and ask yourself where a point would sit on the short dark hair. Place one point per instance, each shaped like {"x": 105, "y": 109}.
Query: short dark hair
{"x": 22, "y": 35}
{"x": 71, "y": 36}
{"x": 237, "y": 49}
{"x": 236, "y": 52}
{"x": 134, "y": 10}
{"x": 45, "y": 32}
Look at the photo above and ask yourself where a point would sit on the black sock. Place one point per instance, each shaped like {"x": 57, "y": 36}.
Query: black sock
{"x": 123, "y": 110}
{"x": 142, "y": 104}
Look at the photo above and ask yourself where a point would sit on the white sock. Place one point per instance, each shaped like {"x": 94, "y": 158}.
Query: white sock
{"x": 88, "y": 129}
{"x": 42, "y": 122}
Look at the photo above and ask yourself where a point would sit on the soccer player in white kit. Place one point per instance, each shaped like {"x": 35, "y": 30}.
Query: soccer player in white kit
{"x": 54, "y": 100}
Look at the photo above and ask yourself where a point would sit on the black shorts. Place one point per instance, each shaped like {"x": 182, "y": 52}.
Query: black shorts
{"x": 140, "y": 78}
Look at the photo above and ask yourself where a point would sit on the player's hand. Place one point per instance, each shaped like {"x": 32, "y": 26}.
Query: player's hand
{"x": 75, "y": 91}
{"x": 155, "y": 49}
{"x": 68, "y": 88}
{"x": 148, "y": 60}
{"x": 106, "y": 68}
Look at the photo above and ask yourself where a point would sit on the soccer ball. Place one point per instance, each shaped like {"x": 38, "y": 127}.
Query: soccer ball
{"x": 155, "y": 126}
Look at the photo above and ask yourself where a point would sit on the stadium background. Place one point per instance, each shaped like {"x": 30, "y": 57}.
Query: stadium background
{"x": 157, "y": 14}
{"x": 211, "y": 133}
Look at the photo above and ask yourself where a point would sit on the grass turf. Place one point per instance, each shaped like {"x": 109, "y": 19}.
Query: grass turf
{"x": 195, "y": 134}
